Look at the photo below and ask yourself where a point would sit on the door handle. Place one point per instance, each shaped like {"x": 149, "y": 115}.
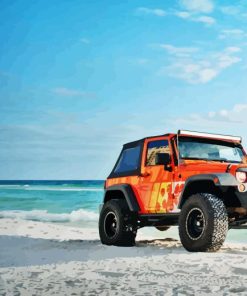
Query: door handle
{"x": 146, "y": 174}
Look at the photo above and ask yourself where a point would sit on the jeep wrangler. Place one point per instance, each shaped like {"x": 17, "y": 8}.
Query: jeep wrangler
{"x": 197, "y": 181}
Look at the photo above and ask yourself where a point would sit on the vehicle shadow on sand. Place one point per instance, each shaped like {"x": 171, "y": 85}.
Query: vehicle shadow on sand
{"x": 24, "y": 251}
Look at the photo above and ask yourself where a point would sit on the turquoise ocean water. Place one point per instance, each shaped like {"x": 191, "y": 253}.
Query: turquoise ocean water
{"x": 72, "y": 202}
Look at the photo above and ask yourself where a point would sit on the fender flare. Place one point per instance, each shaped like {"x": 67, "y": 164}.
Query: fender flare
{"x": 128, "y": 193}
{"x": 218, "y": 179}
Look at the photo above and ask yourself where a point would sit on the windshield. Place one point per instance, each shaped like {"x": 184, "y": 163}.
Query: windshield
{"x": 206, "y": 149}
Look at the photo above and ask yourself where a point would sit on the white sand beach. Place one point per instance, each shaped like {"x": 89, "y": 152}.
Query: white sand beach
{"x": 39, "y": 258}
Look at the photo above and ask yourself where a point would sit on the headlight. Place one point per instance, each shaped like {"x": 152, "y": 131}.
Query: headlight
{"x": 241, "y": 177}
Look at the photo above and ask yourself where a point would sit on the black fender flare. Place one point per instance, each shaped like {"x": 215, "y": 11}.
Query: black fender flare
{"x": 128, "y": 194}
{"x": 218, "y": 179}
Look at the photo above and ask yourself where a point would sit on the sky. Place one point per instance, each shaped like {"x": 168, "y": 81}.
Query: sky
{"x": 78, "y": 79}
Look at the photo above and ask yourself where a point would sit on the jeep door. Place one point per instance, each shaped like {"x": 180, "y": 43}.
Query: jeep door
{"x": 155, "y": 182}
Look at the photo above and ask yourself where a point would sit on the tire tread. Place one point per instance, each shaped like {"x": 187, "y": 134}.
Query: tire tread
{"x": 215, "y": 233}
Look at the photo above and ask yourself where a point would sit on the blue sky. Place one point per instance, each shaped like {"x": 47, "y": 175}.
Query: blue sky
{"x": 80, "y": 78}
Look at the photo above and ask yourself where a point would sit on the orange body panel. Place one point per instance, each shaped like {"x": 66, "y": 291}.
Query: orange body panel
{"x": 159, "y": 190}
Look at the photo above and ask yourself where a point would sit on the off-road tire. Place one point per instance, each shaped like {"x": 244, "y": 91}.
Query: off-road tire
{"x": 124, "y": 232}
{"x": 203, "y": 223}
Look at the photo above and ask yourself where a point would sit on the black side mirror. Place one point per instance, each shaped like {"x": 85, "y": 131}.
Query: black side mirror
{"x": 162, "y": 158}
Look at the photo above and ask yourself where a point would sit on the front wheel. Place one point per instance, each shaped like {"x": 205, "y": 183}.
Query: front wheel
{"x": 203, "y": 223}
{"x": 116, "y": 225}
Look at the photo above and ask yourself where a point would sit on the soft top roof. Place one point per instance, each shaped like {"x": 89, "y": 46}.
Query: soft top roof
{"x": 188, "y": 133}
{"x": 136, "y": 143}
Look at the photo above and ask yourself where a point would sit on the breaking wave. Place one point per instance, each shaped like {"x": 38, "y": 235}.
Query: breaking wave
{"x": 44, "y": 216}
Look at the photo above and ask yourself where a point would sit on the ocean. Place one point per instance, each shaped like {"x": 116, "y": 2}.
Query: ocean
{"x": 73, "y": 203}
{"x": 69, "y": 202}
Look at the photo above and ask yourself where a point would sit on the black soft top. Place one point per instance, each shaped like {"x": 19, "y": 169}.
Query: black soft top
{"x": 133, "y": 144}
{"x": 138, "y": 142}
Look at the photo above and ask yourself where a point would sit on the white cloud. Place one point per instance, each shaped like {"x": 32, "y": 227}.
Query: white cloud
{"x": 193, "y": 73}
{"x": 85, "y": 40}
{"x": 232, "y": 120}
{"x": 223, "y": 113}
{"x": 232, "y": 33}
{"x": 191, "y": 15}
{"x": 240, "y": 108}
{"x": 230, "y": 10}
{"x": 154, "y": 11}
{"x": 183, "y": 14}
{"x": 232, "y": 49}
{"x": 63, "y": 91}
{"x": 211, "y": 114}
{"x": 188, "y": 66}
{"x": 204, "y": 6}
{"x": 237, "y": 114}
{"x": 238, "y": 10}
{"x": 179, "y": 51}
{"x": 193, "y": 10}
{"x": 207, "y": 20}
{"x": 226, "y": 58}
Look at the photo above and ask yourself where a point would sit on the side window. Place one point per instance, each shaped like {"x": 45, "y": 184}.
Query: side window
{"x": 155, "y": 147}
{"x": 129, "y": 160}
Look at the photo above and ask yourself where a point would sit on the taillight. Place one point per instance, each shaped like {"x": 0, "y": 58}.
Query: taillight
{"x": 241, "y": 177}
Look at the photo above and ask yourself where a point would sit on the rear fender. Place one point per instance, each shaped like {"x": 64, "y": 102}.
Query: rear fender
{"x": 123, "y": 191}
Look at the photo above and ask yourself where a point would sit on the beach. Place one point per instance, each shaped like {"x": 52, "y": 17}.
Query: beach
{"x": 123, "y": 116}
{"x": 40, "y": 258}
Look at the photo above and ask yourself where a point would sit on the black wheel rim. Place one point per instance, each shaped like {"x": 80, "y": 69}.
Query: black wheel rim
{"x": 111, "y": 224}
{"x": 195, "y": 223}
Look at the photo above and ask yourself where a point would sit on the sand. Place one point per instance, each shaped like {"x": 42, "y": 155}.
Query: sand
{"x": 39, "y": 258}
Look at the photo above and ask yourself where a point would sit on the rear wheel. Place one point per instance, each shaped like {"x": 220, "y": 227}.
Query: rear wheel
{"x": 116, "y": 224}
{"x": 203, "y": 223}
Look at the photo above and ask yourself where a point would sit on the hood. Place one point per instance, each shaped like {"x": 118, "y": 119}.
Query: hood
{"x": 203, "y": 166}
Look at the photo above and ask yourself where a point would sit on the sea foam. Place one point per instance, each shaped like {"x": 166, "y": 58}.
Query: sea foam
{"x": 44, "y": 216}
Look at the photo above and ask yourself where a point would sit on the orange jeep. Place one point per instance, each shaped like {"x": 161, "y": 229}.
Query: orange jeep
{"x": 197, "y": 181}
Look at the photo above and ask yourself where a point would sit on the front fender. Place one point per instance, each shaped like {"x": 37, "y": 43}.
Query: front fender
{"x": 217, "y": 179}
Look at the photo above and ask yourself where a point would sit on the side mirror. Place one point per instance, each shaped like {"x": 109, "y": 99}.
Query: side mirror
{"x": 162, "y": 158}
